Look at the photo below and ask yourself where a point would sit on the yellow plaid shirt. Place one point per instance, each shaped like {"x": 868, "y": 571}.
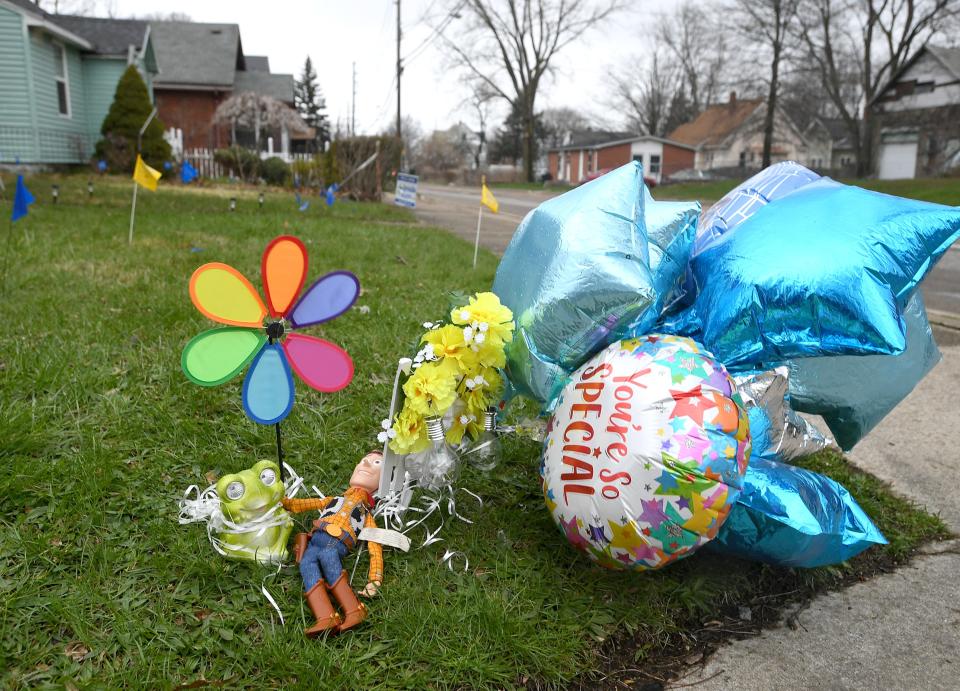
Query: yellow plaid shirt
{"x": 352, "y": 498}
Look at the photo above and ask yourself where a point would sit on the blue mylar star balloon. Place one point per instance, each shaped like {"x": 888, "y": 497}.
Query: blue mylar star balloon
{"x": 826, "y": 270}
{"x": 854, "y": 393}
{"x": 585, "y": 268}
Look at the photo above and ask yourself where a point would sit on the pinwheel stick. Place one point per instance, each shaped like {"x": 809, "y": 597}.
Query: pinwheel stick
{"x": 283, "y": 473}
{"x": 272, "y": 332}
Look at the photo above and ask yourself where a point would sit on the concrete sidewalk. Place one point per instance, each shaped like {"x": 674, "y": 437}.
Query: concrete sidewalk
{"x": 898, "y": 631}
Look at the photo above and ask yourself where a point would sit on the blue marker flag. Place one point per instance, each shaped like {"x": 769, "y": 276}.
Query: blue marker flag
{"x": 188, "y": 173}
{"x": 21, "y": 200}
{"x": 301, "y": 204}
{"x": 332, "y": 194}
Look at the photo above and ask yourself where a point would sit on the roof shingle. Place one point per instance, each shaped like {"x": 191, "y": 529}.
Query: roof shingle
{"x": 278, "y": 86}
{"x": 197, "y": 55}
{"x": 108, "y": 36}
{"x": 716, "y": 122}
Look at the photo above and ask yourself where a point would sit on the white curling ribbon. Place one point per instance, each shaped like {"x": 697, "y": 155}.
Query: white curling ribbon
{"x": 450, "y": 555}
{"x": 206, "y": 508}
{"x": 384, "y": 536}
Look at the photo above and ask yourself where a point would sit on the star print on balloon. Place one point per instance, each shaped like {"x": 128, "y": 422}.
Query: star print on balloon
{"x": 672, "y": 453}
{"x": 259, "y": 333}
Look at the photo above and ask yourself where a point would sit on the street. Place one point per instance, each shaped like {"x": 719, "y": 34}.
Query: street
{"x": 455, "y": 208}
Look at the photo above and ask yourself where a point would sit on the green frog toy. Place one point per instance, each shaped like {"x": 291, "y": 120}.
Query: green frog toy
{"x": 255, "y": 525}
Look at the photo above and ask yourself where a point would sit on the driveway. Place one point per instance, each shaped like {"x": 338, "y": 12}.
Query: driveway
{"x": 455, "y": 208}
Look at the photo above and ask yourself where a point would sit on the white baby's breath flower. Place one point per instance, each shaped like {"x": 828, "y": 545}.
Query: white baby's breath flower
{"x": 428, "y": 325}
{"x": 467, "y": 334}
{"x": 470, "y": 384}
{"x": 464, "y": 315}
{"x": 464, "y": 419}
{"x": 382, "y": 437}
{"x": 385, "y": 423}
{"x": 479, "y": 338}
{"x": 483, "y": 327}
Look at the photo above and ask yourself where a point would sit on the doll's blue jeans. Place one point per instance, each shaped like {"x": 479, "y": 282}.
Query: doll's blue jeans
{"x": 322, "y": 558}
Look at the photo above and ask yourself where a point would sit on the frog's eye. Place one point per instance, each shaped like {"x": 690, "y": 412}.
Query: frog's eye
{"x": 268, "y": 476}
{"x": 234, "y": 490}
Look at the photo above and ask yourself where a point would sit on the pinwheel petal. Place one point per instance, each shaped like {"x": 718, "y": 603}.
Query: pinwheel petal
{"x": 217, "y": 355}
{"x": 268, "y": 387}
{"x": 224, "y": 295}
{"x": 322, "y": 365}
{"x": 283, "y": 270}
{"x": 329, "y": 297}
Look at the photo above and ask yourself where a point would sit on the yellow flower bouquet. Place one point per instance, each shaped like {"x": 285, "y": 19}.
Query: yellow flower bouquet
{"x": 455, "y": 371}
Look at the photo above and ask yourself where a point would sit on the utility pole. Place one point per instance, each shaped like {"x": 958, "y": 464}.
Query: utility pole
{"x": 399, "y": 71}
{"x": 353, "y": 104}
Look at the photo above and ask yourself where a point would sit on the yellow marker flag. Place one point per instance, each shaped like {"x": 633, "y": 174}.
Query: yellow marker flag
{"x": 145, "y": 176}
{"x": 487, "y": 198}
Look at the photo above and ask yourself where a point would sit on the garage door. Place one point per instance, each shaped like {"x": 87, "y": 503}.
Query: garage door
{"x": 898, "y": 160}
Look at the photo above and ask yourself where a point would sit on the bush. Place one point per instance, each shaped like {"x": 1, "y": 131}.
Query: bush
{"x": 346, "y": 154}
{"x": 274, "y": 171}
{"x": 130, "y": 109}
{"x": 239, "y": 162}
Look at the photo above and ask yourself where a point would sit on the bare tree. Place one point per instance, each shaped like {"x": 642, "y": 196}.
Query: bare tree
{"x": 559, "y": 122}
{"x": 256, "y": 111}
{"x": 857, "y": 46}
{"x": 697, "y": 43}
{"x": 167, "y": 17}
{"x": 479, "y": 102}
{"x": 509, "y": 45}
{"x": 770, "y": 28}
{"x": 647, "y": 94}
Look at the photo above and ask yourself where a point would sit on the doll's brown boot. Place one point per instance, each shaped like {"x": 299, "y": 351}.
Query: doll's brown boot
{"x": 319, "y": 601}
{"x": 354, "y": 611}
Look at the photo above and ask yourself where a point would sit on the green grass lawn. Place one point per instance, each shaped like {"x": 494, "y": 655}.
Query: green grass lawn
{"x": 939, "y": 190}
{"x": 101, "y": 433}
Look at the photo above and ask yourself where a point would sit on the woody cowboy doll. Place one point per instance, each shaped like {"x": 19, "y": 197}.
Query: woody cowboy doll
{"x": 320, "y": 552}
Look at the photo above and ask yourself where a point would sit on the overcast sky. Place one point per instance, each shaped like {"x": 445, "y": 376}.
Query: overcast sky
{"x": 335, "y": 34}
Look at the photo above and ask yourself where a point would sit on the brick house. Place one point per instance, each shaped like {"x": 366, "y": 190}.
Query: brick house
{"x": 917, "y": 117}
{"x": 201, "y": 65}
{"x": 729, "y": 136}
{"x": 587, "y": 154}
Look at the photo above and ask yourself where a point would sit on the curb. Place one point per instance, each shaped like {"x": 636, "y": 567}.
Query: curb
{"x": 947, "y": 320}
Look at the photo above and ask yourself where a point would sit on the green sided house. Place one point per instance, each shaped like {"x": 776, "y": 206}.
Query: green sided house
{"x": 58, "y": 75}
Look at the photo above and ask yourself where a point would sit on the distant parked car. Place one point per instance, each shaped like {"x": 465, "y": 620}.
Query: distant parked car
{"x": 693, "y": 175}
{"x": 650, "y": 182}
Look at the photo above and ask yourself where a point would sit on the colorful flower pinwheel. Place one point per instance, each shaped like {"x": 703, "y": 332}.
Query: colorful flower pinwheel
{"x": 255, "y": 333}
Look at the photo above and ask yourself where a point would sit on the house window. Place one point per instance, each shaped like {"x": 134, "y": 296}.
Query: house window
{"x": 654, "y": 164}
{"x": 638, "y": 158}
{"x": 63, "y": 83}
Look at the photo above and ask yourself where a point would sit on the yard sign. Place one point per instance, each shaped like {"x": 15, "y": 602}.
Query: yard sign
{"x": 406, "y": 190}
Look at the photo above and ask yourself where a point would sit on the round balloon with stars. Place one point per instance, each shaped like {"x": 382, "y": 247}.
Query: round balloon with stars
{"x": 645, "y": 452}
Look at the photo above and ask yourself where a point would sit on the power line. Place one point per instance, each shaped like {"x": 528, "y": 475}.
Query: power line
{"x": 436, "y": 33}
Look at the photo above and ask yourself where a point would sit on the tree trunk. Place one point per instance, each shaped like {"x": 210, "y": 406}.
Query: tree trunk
{"x": 865, "y": 145}
{"x": 528, "y": 146}
{"x": 771, "y": 106}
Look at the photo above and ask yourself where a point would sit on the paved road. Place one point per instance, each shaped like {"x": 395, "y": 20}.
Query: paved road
{"x": 456, "y": 208}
